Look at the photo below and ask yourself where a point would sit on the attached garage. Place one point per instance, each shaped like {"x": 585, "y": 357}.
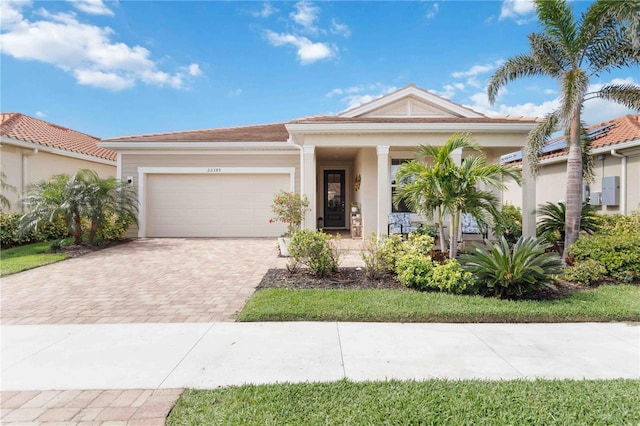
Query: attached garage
{"x": 212, "y": 205}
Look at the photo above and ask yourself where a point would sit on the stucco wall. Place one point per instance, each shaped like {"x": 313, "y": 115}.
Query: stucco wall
{"x": 366, "y": 165}
{"x": 42, "y": 166}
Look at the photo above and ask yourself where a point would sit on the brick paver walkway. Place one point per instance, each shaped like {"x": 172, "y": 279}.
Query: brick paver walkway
{"x": 150, "y": 280}
{"x": 88, "y": 407}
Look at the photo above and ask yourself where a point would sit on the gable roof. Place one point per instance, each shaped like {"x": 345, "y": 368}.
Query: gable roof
{"x": 29, "y": 129}
{"x": 257, "y": 133}
{"x": 438, "y": 106}
{"x": 606, "y": 134}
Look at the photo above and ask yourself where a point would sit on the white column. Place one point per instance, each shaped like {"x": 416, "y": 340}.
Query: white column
{"x": 308, "y": 183}
{"x": 456, "y": 156}
{"x": 384, "y": 189}
{"x": 528, "y": 199}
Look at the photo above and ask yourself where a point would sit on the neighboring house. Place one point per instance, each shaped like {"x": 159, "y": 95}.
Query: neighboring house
{"x": 615, "y": 149}
{"x": 34, "y": 150}
{"x": 221, "y": 182}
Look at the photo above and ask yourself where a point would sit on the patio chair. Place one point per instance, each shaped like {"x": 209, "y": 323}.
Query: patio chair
{"x": 469, "y": 225}
{"x": 400, "y": 223}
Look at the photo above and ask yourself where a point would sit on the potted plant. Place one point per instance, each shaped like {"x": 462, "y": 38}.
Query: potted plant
{"x": 288, "y": 208}
{"x": 354, "y": 206}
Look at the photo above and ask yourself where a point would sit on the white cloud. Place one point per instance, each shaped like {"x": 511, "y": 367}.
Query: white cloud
{"x": 480, "y": 103}
{"x": 340, "y": 29}
{"x": 519, "y": 10}
{"x": 477, "y": 70}
{"x": 357, "y": 95}
{"x": 433, "y": 11}
{"x": 308, "y": 51}
{"x": 10, "y": 12}
{"x": 234, "y": 93}
{"x": 92, "y": 7}
{"x": 84, "y": 50}
{"x": 266, "y": 11}
{"x": 40, "y": 114}
{"x": 306, "y": 15}
{"x": 598, "y": 110}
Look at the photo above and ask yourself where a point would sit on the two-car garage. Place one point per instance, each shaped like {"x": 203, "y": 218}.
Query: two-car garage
{"x": 219, "y": 202}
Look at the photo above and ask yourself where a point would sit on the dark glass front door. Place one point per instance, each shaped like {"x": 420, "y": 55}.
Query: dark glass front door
{"x": 334, "y": 216}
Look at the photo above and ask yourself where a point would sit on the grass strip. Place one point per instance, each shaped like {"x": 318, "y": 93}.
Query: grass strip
{"x": 605, "y": 303}
{"x": 30, "y": 256}
{"x": 433, "y": 402}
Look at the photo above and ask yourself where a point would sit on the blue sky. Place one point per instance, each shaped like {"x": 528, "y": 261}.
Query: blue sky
{"x": 111, "y": 68}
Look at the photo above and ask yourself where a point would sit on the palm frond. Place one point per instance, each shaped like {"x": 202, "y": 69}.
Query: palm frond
{"x": 514, "y": 68}
{"x": 556, "y": 16}
{"x": 548, "y": 54}
{"x": 624, "y": 94}
{"x": 538, "y": 137}
{"x": 574, "y": 88}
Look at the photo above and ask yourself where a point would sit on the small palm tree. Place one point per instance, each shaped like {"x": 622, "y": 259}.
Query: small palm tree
{"x": 4, "y": 186}
{"x": 607, "y": 36}
{"x": 553, "y": 220}
{"x": 446, "y": 188}
{"x": 60, "y": 197}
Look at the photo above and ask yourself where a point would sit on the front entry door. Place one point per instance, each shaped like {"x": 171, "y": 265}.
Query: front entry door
{"x": 334, "y": 198}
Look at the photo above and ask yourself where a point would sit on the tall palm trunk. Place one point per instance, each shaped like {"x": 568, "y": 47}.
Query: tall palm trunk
{"x": 77, "y": 228}
{"x": 453, "y": 235}
{"x": 443, "y": 242}
{"x": 574, "y": 184}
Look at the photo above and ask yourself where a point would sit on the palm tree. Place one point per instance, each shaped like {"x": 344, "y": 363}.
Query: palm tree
{"x": 446, "y": 188}
{"x": 554, "y": 219}
{"x": 605, "y": 37}
{"x": 4, "y": 186}
{"x": 46, "y": 201}
{"x": 105, "y": 199}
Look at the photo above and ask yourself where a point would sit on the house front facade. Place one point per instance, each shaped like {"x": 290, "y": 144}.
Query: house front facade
{"x": 221, "y": 182}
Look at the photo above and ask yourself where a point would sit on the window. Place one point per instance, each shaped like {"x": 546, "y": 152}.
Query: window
{"x": 402, "y": 206}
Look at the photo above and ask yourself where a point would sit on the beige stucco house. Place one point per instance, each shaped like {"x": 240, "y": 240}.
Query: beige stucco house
{"x": 34, "y": 150}
{"x": 615, "y": 149}
{"x": 221, "y": 182}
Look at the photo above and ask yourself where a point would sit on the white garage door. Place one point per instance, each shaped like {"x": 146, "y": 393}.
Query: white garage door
{"x": 232, "y": 205}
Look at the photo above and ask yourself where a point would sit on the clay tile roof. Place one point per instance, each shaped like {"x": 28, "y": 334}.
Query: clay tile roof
{"x": 257, "y": 133}
{"x": 19, "y": 126}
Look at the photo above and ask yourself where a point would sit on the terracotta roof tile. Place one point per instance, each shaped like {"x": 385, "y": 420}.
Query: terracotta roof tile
{"x": 22, "y": 127}
{"x": 257, "y": 133}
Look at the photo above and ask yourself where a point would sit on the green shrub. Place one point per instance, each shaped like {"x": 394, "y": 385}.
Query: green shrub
{"x": 391, "y": 248}
{"x": 449, "y": 277}
{"x": 115, "y": 227}
{"x": 316, "y": 250}
{"x": 620, "y": 224}
{"x": 375, "y": 265}
{"x": 508, "y": 223}
{"x": 430, "y": 230}
{"x": 45, "y": 231}
{"x": 510, "y": 272}
{"x": 618, "y": 253}
{"x": 415, "y": 270}
{"x": 419, "y": 243}
{"x": 586, "y": 272}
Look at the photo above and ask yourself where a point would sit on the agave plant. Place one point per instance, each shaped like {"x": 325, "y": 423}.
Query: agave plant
{"x": 510, "y": 272}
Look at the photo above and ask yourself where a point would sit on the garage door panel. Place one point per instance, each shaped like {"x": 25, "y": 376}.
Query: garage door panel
{"x": 212, "y": 205}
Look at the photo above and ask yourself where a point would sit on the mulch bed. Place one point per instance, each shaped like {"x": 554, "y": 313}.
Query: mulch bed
{"x": 355, "y": 279}
{"x": 81, "y": 250}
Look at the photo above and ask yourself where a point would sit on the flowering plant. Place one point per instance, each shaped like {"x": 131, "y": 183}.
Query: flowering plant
{"x": 289, "y": 208}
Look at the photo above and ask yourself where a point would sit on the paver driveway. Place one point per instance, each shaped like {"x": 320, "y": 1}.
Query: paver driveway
{"x": 148, "y": 280}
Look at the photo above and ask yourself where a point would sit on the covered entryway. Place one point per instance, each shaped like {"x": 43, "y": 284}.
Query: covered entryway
{"x": 212, "y": 205}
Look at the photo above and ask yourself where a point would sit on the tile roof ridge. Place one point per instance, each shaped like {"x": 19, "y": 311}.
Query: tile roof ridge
{"x": 191, "y": 131}
{"x": 13, "y": 117}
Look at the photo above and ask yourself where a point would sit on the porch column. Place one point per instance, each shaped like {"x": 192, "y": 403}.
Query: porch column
{"x": 528, "y": 199}
{"x": 456, "y": 156}
{"x": 384, "y": 188}
{"x": 308, "y": 184}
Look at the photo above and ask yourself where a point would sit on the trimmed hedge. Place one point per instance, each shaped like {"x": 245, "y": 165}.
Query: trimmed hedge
{"x": 46, "y": 231}
{"x": 618, "y": 253}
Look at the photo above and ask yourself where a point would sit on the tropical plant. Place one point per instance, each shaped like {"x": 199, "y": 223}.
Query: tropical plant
{"x": 570, "y": 51}
{"x": 60, "y": 198}
{"x": 508, "y": 271}
{"x": 289, "y": 208}
{"x": 552, "y": 222}
{"x": 4, "y": 186}
{"x": 316, "y": 250}
{"x": 106, "y": 200}
{"x": 586, "y": 272}
{"x": 415, "y": 270}
{"x": 618, "y": 253}
{"x": 444, "y": 187}
{"x": 508, "y": 223}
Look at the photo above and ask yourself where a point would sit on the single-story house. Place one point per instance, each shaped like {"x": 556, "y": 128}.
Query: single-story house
{"x": 221, "y": 182}
{"x": 34, "y": 150}
{"x": 615, "y": 150}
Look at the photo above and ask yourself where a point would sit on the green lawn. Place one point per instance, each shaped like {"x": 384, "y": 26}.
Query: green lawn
{"x": 20, "y": 259}
{"x": 605, "y": 303}
{"x": 434, "y": 402}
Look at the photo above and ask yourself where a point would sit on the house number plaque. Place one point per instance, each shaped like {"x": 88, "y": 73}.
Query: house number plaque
{"x": 214, "y": 170}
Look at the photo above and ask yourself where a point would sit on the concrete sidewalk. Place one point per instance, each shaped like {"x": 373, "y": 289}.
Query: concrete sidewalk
{"x": 206, "y": 355}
